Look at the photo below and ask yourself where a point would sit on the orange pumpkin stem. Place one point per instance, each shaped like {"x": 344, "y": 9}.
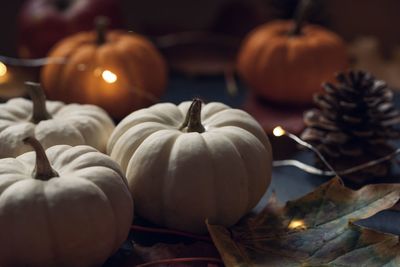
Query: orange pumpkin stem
{"x": 192, "y": 121}
{"x": 101, "y": 24}
{"x": 39, "y": 111}
{"x": 302, "y": 12}
{"x": 43, "y": 170}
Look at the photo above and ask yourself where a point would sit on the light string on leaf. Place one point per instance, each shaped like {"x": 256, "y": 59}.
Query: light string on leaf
{"x": 279, "y": 131}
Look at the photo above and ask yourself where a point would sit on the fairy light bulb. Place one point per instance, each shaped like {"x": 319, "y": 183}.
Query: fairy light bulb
{"x": 278, "y": 131}
{"x": 297, "y": 224}
{"x": 109, "y": 76}
{"x": 3, "y": 69}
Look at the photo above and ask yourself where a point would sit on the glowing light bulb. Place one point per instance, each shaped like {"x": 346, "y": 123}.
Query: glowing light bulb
{"x": 109, "y": 77}
{"x": 278, "y": 131}
{"x": 297, "y": 224}
{"x": 3, "y": 69}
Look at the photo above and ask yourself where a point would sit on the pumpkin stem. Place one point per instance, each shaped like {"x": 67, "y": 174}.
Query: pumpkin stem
{"x": 301, "y": 13}
{"x": 192, "y": 121}
{"x": 39, "y": 111}
{"x": 101, "y": 24}
{"x": 43, "y": 170}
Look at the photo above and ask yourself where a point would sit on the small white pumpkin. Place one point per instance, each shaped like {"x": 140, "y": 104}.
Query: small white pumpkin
{"x": 51, "y": 122}
{"x": 75, "y": 215}
{"x": 185, "y": 166}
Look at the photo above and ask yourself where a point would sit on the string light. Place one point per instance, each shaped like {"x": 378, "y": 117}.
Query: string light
{"x": 3, "y": 69}
{"x": 279, "y": 131}
{"x": 109, "y": 77}
{"x": 312, "y": 170}
{"x": 302, "y": 166}
{"x": 37, "y": 62}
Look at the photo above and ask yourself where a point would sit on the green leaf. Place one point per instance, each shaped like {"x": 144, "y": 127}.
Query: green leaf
{"x": 315, "y": 230}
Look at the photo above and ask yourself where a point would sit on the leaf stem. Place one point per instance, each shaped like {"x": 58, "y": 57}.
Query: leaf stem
{"x": 43, "y": 170}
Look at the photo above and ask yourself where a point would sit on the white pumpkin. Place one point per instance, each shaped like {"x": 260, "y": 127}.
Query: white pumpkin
{"x": 183, "y": 169}
{"x": 52, "y": 123}
{"x": 75, "y": 215}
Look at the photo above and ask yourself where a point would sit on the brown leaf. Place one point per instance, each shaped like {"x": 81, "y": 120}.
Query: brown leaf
{"x": 315, "y": 230}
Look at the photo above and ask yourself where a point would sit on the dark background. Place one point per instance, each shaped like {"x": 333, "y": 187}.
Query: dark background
{"x": 350, "y": 19}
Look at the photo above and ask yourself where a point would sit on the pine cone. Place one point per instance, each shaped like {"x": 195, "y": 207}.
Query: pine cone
{"x": 353, "y": 123}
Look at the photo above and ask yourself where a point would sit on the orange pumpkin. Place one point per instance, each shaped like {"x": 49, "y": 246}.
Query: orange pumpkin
{"x": 287, "y": 67}
{"x": 116, "y": 70}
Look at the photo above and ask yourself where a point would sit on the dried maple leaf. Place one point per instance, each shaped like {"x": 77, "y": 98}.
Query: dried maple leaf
{"x": 315, "y": 230}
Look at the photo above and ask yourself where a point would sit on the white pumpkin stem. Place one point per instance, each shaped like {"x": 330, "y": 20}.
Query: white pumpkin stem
{"x": 43, "y": 170}
{"x": 301, "y": 13}
{"x": 39, "y": 111}
{"x": 192, "y": 121}
{"x": 101, "y": 24}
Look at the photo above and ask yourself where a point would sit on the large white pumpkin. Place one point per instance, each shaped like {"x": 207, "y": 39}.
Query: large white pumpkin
{"x": 52, "y": 123}
{"x": 183, "y": 169}
{"x": 73, "y": 214}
